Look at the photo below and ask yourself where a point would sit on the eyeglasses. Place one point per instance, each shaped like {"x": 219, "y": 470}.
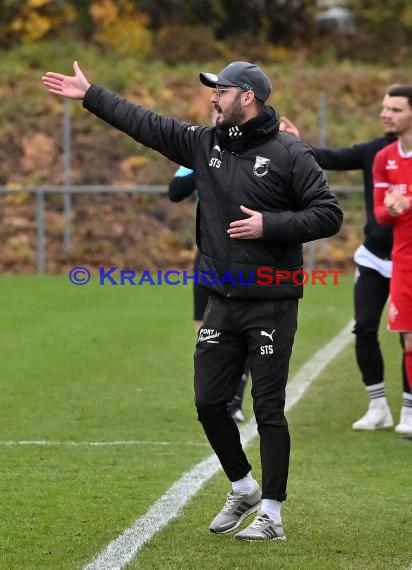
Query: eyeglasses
{"x": 219, "y": 90}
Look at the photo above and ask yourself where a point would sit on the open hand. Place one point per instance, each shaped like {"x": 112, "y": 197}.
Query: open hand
{"x": 74, "y": 87}
{"x": 287, "y": 126}
{"x": 248, "y": 228}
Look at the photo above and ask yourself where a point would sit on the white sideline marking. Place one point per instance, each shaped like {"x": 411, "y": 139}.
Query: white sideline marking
{"x": 101, "y": 443}
{"x": 124, "y": 548}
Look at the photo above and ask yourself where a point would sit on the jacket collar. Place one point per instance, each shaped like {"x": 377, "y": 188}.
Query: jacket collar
{"x": 252, "y": 133}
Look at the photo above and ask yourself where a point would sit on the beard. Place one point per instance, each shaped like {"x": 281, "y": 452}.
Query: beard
{"x": 234, "y": 116}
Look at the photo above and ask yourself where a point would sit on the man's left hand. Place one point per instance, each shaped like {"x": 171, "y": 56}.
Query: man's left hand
{"x": 249, "y": 228}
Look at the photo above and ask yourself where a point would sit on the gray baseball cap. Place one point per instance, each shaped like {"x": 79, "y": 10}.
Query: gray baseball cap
{"x": 243, "y": 74}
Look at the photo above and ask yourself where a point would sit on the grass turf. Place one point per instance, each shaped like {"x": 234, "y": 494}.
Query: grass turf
{"x": 115, "y": 363}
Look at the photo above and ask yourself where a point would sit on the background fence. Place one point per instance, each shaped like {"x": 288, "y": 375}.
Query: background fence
{"x": 39, "y": 194}
{"x": 31, "y": 230}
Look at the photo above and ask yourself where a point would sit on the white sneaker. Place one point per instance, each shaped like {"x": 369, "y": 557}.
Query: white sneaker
{"x": 404, "y": 426}
{"x": 262, "y": 528}
{"x": 237, "y": 507}
{"x": 378, "y": 416}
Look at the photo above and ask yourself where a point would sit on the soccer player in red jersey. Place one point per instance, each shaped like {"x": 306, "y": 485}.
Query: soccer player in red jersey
{"x": 392, "y": 174}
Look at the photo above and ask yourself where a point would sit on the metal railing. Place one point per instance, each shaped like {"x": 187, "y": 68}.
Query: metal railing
{"x": 40, "y": 192}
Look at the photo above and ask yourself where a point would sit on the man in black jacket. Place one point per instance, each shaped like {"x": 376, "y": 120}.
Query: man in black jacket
{"x": 374, "y": 268}
{"x": 261, "y": 194}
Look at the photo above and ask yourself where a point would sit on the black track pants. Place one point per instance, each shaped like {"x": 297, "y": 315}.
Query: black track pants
{"x": 371, "y": 294}
{"x": 232, "y": 330}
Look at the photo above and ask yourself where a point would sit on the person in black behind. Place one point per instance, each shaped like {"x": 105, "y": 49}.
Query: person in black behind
{"x": 183, "y": 185}
{"x": 261, "y": 195}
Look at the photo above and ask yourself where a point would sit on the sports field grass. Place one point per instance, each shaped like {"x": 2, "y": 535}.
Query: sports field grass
{"x": 93, "y": 365}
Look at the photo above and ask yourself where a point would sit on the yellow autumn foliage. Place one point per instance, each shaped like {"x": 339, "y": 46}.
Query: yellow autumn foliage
{"x": 37, "y": 3}
{"x": 36, "y": 18}
{"x": 120, "y": 26}
{"x": 104, "y": 12}
{"x": 32, "y": 27}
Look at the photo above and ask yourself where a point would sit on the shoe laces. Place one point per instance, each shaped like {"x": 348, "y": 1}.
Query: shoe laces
{"x": 260, "y": 521}
{"x": 231, "y": 503}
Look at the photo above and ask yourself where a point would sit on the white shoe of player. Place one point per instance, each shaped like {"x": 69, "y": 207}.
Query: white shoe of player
{"x": 378, "y": 416}
{"x": 404, "y": 426}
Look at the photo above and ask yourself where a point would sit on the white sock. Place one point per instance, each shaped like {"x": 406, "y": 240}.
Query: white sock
{"x": 272, "y": 509}
{"x": 245, "y": 485}
{"x": 377, "y": 394}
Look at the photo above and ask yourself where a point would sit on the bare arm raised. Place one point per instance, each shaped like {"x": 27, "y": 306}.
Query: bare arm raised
{"x": 74, "y": 87}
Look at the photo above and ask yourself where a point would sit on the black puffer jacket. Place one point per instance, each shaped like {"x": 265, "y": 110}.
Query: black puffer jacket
{"x": 254, "y": 165}
{"x": 378, "y": 237}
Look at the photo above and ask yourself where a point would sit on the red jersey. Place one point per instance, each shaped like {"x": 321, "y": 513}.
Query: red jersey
{"x": 392, "y": 168}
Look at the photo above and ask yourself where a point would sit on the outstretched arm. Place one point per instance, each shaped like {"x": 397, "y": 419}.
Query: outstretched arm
{"x": 74, "y": 87}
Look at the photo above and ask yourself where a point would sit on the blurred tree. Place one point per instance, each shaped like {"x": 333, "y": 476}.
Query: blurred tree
{"x": 31, "y": 20}
{"x": 84, "y": 21}
{"x": 387, "y": 19}
{"x": 252, "y": 27}
{"x": 169, "y": 12}
{"x": 274, "y": 20}
{"x": 118, "y": 25}
{"x": 384, "y": 28}
{"x": 277, "y": 21}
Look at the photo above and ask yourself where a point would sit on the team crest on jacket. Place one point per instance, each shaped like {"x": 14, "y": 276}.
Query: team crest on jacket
{"x": 261, "y": 167}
